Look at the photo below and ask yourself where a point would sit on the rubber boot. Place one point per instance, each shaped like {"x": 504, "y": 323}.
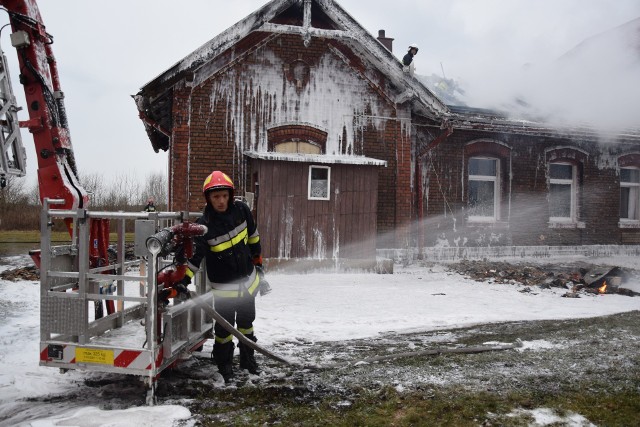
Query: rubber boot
{"x": 247, "y": 359}
{"x": 223, "y": 356}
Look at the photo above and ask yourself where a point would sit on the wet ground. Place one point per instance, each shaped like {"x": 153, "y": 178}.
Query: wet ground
{"x": 555, "y": 355}
{"x": 602, "y": 352}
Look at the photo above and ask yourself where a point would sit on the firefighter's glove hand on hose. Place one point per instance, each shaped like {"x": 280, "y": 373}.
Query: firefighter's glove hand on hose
{"x": 182, "y": 290}
{"x": 163, "y": 295}
{"x": 181, "y": 287}
{"x": 178, "y": 290}
{"x": 264, "y": 286}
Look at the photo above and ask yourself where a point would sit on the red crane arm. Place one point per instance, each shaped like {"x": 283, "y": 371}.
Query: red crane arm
{"x": 57, "y": 173}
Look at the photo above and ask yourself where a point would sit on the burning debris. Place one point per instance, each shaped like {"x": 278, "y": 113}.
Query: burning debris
{"x": 583, "y": 279}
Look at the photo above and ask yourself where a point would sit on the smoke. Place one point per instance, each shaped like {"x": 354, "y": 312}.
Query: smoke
{"x": 596, "y": 84}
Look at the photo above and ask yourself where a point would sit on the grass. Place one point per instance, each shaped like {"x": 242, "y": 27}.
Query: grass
{"x": 443, "y": 406}
{"x": 592, "y": 372}
{"x": 32, "y": 236}
{"x": 18, "y": 236}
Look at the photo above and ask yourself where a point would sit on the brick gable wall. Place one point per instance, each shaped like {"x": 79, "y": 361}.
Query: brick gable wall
{"x": 217, "y": 119}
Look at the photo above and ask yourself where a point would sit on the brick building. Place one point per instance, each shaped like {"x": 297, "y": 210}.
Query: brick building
{"x": 347, "y": 152}
{"x": 496, "y": 182}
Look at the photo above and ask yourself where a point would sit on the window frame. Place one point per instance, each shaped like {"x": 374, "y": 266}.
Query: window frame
{"x": 328, "y": 169}
{"x": 496, "y": 190}
{"x": 631, "y": 185}
{"x": 573, "y": 202}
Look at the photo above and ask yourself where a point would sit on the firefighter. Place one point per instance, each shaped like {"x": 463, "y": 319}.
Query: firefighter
{"x": 408, "y": 58}
{"x": 231, "y": 251}
{"x": 151, "y": 207}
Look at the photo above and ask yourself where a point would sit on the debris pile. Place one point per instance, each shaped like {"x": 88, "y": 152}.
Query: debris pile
{"x": 502, "y": 272}
{"x": 576, "y": 279}
{"x": 22, "y": 273}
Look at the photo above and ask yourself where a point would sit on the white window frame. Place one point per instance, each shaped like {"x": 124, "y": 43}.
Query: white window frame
{"x": 496, "y": 191}
{"x": 631, "y": 186}
{"x": 573, "y": 183}
{"x": 309, "y": 196}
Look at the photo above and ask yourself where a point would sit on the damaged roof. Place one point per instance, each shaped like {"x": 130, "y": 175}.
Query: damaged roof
{"x": 488, "y": 120}
{"x": 307, "y": 18}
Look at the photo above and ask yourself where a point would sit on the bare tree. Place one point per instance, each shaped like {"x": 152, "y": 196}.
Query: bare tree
{"x": 93, "y": 184}
{"x": 34, "y": 194}
{"x": 20, "y": 203}
{"x": 16, "y": 210}
{"x": 125, "y": 191}
{"x": 14, "y": 192}
{"x": 155, "y": 187}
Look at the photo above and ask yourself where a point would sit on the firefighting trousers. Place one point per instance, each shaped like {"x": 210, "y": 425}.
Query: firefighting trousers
{"x": 239, "y": 311}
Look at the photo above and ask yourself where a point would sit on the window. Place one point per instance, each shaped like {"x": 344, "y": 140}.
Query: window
{"x": 629, "y": 194}
{"x": 484, "y": 189}
{"x": 319, "y": 182}
{"x": 562, "y": 192}
{"x": 301, "y": 147}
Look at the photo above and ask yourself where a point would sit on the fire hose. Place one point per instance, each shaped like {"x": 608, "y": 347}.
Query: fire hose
{"x": 186, "y": 231}
{"x": 431, "y": 352}
{"x": 236, "y": 333}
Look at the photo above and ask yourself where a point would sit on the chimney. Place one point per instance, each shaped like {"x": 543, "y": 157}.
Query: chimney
{"x": 387, "y": 42}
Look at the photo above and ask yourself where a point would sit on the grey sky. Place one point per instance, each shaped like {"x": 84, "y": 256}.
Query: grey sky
{"x": 106, "y": 50}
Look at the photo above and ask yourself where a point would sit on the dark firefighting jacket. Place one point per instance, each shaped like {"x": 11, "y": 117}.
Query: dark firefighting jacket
{"x": 407, "y": 59}
{"x": 228, "y": 248}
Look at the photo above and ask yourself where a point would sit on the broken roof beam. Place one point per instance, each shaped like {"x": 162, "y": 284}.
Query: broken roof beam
{"x": 307, "y": 15}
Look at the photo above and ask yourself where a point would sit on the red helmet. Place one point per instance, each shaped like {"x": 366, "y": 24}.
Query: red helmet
{"x": 217, "y": 181}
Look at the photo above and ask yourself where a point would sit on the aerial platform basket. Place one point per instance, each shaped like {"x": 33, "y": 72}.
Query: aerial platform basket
{"x": 135, "y": 335}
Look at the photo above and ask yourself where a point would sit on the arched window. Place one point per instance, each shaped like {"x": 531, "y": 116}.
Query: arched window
{"x": 298, "y": 138}
{"x": 484, "y": 189}
{"x": 564, "y": 175}
{"x": 629, "y": 190}
{"x": 487, "y": 167}
{"x": 300, "y": 147}
{"x": 562, "y": 192}
{"x": 629, "y": 194}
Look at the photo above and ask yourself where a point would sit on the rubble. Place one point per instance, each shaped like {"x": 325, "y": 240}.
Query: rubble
{"x": 583, "y": 278}
{"x": 32, "y": 273}
{"x": 22, "y": 273}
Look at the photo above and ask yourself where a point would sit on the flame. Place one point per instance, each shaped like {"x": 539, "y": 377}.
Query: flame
{"x": 602, "y": 289}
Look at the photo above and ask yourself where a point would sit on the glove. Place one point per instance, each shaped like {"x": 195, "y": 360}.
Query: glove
{"x": 164, "y": 294}
{"x": 179, "y": 289}
{"x": 263, "y": 286}
{"x": 182, "y": 292}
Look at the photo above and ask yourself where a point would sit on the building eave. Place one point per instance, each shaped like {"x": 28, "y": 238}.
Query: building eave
{"x": 316, "y": 158}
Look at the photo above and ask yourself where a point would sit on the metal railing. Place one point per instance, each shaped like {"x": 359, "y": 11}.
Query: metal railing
{"x": 137, "y": 335}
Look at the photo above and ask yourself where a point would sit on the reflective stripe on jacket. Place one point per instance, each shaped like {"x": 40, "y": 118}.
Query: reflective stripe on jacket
{"x": 232, "y": 238}
{"x": 237, "y": 289}
{"x": 228, "y": 247}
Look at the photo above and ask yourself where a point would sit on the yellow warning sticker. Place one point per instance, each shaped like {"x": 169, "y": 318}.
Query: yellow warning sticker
{"x": 92, "y": 355}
